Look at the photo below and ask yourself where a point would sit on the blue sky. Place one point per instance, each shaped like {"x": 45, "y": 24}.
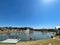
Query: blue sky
{"x": 30, "y": 13}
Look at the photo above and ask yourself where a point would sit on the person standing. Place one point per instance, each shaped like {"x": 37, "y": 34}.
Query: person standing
{"x": 30, "y": 37}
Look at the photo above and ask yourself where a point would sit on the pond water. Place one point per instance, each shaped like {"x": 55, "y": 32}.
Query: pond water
{"x": 25, "y": 36}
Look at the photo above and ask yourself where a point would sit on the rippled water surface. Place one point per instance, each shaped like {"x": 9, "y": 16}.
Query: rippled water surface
{"x": 24, "y": 36}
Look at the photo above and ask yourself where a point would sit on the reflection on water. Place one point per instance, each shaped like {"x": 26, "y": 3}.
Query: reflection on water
{"x": 25, "y": 35}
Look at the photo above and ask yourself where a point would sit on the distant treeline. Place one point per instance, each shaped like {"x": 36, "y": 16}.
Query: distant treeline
{"x": 50, "y": 30}
{"x": 21, "y": 28}
{"x": 25, "y": 28}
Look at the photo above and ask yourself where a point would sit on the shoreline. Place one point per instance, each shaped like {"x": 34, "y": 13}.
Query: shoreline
{"x": 38, "y": 42}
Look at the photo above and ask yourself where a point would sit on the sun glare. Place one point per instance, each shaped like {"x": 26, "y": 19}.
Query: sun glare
{"x": 48, "y": 1}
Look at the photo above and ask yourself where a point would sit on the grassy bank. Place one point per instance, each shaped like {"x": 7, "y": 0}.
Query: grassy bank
{"x": 6, "y": 44}
{"x": 38, "y": 42}
{"x": 41, "y": 42}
